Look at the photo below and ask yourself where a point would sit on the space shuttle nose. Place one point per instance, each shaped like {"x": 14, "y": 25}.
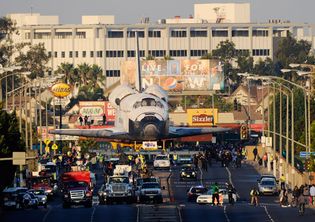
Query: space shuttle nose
{"x": 151, "y": 132}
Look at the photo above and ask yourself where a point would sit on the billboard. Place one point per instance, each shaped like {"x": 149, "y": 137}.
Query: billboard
{"x": 202, "y": 117}
{"x": 176, "y": 75}
{"x": 96, "y": 109}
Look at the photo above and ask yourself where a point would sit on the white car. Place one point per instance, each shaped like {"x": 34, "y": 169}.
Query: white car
{"x": 223, "y": 197}
{"x": 162, "y": 161}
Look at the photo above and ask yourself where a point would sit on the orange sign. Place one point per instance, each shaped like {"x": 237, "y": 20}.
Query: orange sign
{"x": 61, "y": 90}
{"x": 202, "y": 117}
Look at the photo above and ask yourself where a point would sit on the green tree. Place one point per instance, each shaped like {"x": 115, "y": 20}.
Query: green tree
{"x": 87, "y": 145}
{"x": 10, "y": 141}
{"x": 69, "y": 71}
{"x": 96, "y": 75}
{"x": 83, "y": 72}
{"x": 34, "y": 60}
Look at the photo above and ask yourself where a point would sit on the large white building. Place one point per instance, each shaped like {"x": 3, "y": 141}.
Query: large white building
{"x": 99, "y": 41}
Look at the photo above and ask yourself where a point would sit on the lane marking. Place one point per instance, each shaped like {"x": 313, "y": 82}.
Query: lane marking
{"x": 201, "y": 175}
{"x": 46, "y": 215}
{"x": 268, "y": 214}
{"x": 231, "y": 182}
{"x": 225, "y": 214}
{"x": 138, "y": 213}
{"x": 92, "y": 215}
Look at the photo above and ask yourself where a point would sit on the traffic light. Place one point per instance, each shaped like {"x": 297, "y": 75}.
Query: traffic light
{"x": 244, "y": 132}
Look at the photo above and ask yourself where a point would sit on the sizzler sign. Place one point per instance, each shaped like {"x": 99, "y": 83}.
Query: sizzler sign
{"x": 202, "y": 118}
{"x": 61, "y": 90}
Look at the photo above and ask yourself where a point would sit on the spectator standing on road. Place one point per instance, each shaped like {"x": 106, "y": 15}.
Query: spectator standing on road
{"x": 306, "y": 193}
{"x": 255, "y": 152}
{"x": 265, "y": 159}
{"x": 312, "y": 193}
{"x": 282, "y": 182}
{"x": 215, "y": 194}
{"x": 296, "y": 194}
{"x": 254, "y": 197}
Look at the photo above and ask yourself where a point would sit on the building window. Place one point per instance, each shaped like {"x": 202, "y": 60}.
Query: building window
{"x": 132, "y": 34}
{"x": 83, "y": 54}
{"x": 56, "y": 54}
{"x": 178, "y": 33}
{"x": 198, "y": 33}
{"x": 219, "y": 33}
{"x": 99, "y": 54}
{"x": 63, "y": 35}
{"x": 178, "y": 53}
{"x": 112, "y": 73}
{"x": 154, "y": 34}
{"x": 157, "y": 53}
{"x": 42, "y": 35}
{"x": 239, "y": 33}
{"x": 63, "y": 54}
{"x": 260, "y": 33}
{"x": 76, "y": 54}
{"x": 49, "y": 54}
{"x": 91, "y": 54}
{"x": 115, "y": 34}
{"x": 131, "y": 53}
{"x": 113, "y": 54}
{"x": 261, "y": 52}
{"x": 70, "y": 54}
{"x": 198, "y": 53}
{"x": 80, "y": 35}
{"x": 242, "y": 52}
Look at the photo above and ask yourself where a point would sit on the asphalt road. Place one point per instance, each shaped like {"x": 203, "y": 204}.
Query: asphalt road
{"x": 243, "y": 179}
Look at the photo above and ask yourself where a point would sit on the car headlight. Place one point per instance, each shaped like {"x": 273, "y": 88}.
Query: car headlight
{"x": 44, "y": 198}
{"x": 193, "y": 173}
{"x": 66, "y": 196}
{"x": 183, "y": 173}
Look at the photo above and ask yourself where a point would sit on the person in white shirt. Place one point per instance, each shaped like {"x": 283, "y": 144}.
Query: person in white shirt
{"x": 312, "y": 194}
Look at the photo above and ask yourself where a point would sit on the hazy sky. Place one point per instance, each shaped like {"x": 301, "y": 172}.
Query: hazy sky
{"x": 130, "y": 11}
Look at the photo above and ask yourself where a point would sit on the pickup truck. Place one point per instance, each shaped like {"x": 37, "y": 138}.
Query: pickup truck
{"x": 151, "y": 191}
{"x": 77, "y": 189}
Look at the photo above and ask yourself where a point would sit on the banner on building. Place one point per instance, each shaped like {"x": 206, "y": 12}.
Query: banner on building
{"x": 96, "y": 110}
{"x": 176, "y": 75}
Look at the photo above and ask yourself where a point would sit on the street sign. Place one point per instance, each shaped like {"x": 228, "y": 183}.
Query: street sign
{"x": 304, "y": 154}
{"x": 18, "y": 158}
{"x": 47, "y": 141}
{"x": 149, "y": 145}
{"x": 268, "y": 141}
{"x": 54, "y": 146}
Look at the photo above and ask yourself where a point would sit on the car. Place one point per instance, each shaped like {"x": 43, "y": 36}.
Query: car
{"x": 28, "y": 200}
{"x": 161, "y": 161}
{"x": 140, "y": 181}
{"x": 188, "y": 171}
{"x": 267, "y": 185}
{"x": 10, "y": 197}
{"x": 41, "y": 196}
{"x": 195, "y": 191}
{"x": 151, "y": 191}
{"x": 206, "y": 198}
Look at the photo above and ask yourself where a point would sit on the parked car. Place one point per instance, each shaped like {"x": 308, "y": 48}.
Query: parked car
{"x": 10, "y": 197}
{"x": 195, "y": 191}
{"x": 267, "y": 184}
{"x": 188, "y": 171}
{"x": 41, "y": 196}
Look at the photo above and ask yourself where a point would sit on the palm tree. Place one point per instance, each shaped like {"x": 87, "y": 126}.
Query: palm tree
{"x": 83, "y": 72}
{"x": 69, "y": 71}
{"x": 96, "y": 75}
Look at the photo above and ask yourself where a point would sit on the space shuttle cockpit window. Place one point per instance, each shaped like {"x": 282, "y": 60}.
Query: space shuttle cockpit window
{"x": 148, "y": 102}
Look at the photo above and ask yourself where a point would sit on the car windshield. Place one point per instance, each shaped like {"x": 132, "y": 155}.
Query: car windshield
{"x": 198, "y": 190}
{"x": 161, "y": 158}
{"x": 150, "y": 185}
{"x": 118, "y": 180}
{"x": 74, "y": 184}
{"x": 39, "y": 192}
{"x": 268, "y": 182}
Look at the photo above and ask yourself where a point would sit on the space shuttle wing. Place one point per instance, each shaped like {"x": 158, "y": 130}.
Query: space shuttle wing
{"x": 99, "y": 133}
{"x": 192, "y": 131}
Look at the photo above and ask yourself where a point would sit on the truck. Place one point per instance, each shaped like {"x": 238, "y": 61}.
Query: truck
{"x": 76, "y": 189}
{"x": 119, "y": 186}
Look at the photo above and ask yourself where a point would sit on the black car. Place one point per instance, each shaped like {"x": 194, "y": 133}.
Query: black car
{"x": 188, "y": 171}
{"x": 195, "y": 191}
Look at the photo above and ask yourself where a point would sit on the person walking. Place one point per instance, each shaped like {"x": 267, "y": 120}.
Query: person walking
{"x": 282, "y": 182}
{"x": 85, "y": 120}
{"x": 81, "y": 120}
{"x": 265, "y": 159}
{"x": 296, "y": 194}
{"x": 312, "y": 193}
{"x": 231, "y": 191}
{"x": 254, "y": 196}
{"x": 255, "y": 152}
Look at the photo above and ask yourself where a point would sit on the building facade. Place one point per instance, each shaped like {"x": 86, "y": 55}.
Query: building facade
{"x": 99, "y": 41}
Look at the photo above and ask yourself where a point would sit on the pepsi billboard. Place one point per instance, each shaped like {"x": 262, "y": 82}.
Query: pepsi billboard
{"x": 176, "y": 75}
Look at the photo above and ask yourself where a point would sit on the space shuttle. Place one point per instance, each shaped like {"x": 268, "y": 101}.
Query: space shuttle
{"x": 141, "y": 115}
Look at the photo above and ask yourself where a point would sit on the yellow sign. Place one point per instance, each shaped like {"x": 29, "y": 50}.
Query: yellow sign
{"x": 61, "y": 90}
{"x": 47, "y": 141}
{"x": 54, "y": 146}
{"x": 202, "y": 117}
{"x": 47, "y": 149}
